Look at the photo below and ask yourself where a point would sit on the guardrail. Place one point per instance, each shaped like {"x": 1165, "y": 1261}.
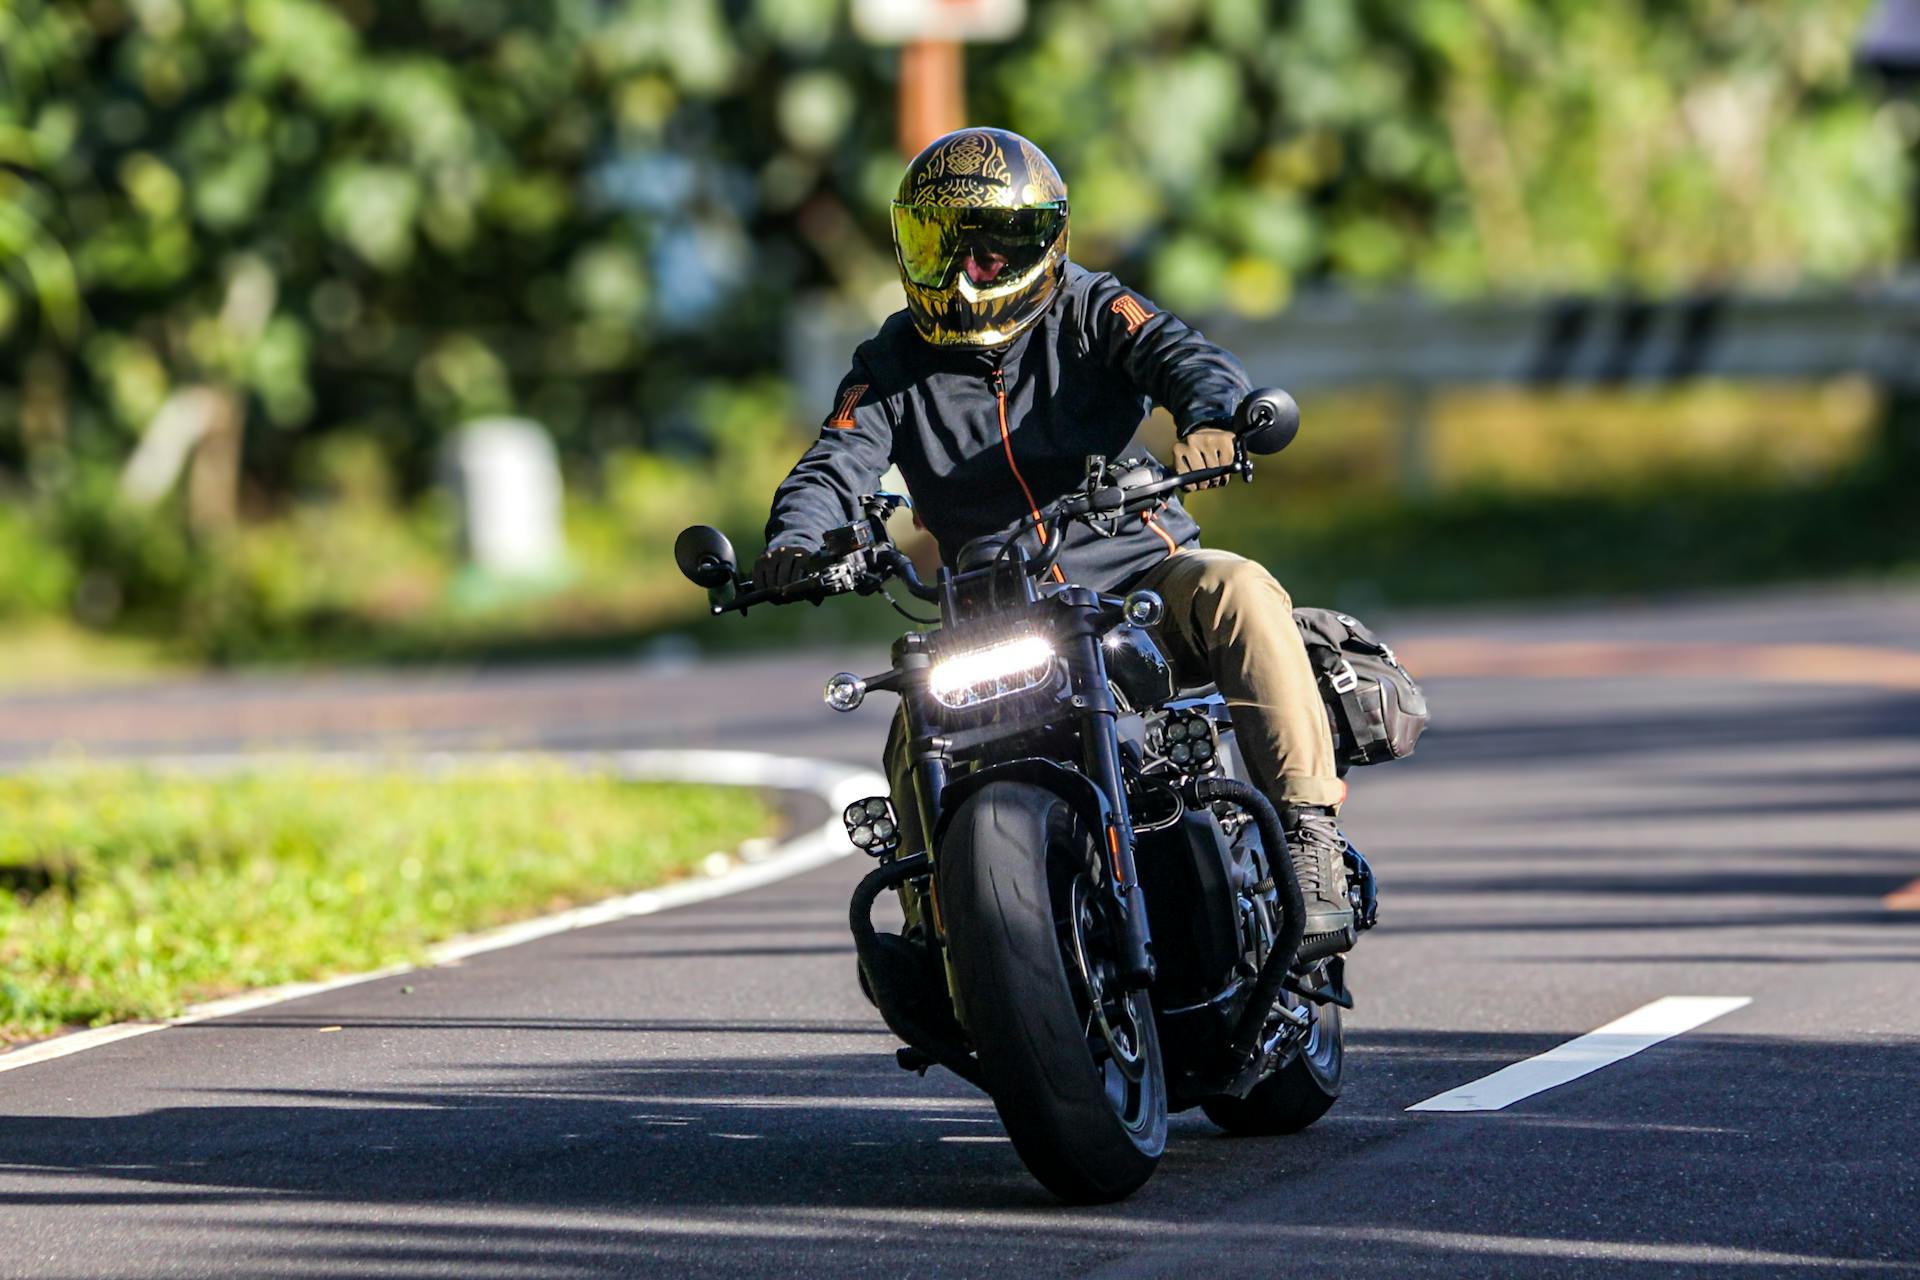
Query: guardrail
{"x": 1412, "y": 344}
{"x": 1336, "y": 341}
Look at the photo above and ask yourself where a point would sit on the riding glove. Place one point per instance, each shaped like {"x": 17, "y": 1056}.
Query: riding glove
{"x": 1201, "y": 448}
{"x": 780, "y": 567}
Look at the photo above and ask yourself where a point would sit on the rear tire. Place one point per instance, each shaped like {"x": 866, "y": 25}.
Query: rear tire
{"x": 1297, "y": 1094}
{"x": 1007, "y": 869}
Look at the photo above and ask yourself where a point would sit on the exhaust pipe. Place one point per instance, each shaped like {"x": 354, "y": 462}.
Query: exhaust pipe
{"x": 897, "y": 996}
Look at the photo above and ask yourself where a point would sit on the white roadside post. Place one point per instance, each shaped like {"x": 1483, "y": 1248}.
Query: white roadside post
{"x": 505, "y": 478}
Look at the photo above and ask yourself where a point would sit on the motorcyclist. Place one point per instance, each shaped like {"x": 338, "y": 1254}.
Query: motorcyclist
{"x": 1008, "y": 367}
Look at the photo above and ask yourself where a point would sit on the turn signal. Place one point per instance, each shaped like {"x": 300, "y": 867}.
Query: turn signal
{"x": 1143, "y": 609}
{"x": 845, "y": 691}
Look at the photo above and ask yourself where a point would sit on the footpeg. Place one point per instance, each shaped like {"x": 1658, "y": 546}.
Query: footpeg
{"x": 871, "y": 826}
{"x": 1335, "y": 992}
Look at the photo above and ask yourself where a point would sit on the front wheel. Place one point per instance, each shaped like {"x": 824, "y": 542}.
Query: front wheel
{"x": 1071, "y": 1059}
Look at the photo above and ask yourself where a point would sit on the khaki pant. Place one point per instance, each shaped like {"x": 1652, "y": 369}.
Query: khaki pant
{"x": 1227, "y": 621}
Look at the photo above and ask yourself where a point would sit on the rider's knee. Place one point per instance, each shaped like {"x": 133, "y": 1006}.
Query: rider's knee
{"x": 1236, "y": 582}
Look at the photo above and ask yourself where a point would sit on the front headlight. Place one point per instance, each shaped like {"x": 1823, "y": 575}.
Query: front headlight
{"x": 1012, "y": 666}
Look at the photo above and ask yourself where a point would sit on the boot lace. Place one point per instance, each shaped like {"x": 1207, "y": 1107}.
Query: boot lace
{"x": 1319, "y": 836}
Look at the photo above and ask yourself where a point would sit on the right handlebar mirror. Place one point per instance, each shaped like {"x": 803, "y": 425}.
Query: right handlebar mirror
{"x": 1268, "y": 420}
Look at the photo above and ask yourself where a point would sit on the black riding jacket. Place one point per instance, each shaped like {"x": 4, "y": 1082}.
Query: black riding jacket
{"x": 984, "y": 437}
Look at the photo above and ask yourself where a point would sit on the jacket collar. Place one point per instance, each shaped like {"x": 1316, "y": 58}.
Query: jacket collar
{"x": 975, "y": 360}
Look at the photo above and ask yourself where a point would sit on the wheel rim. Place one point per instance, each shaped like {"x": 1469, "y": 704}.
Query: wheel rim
{"x": 1322, "y": 1049}
{"x": 1116, "y": 1042}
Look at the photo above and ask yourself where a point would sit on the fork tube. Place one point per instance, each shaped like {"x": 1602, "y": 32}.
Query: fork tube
{"x": 1100, "y": 757}
{"x": 926, "y": 750}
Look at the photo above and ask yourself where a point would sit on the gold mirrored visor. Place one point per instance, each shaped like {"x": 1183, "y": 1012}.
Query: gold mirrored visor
{"x": 991, "y": 246}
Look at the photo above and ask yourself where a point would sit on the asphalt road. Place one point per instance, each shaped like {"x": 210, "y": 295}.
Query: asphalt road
{"x": 704, "y": 1091}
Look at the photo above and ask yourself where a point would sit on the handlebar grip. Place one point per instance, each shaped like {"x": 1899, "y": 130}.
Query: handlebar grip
{"x": 797, "y": 594}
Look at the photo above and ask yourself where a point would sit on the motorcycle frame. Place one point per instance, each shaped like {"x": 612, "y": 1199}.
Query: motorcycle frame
{"x": 1074, "y": 619}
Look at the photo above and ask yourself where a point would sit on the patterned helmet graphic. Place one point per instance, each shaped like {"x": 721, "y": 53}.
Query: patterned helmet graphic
{"x": 980, "y": 235}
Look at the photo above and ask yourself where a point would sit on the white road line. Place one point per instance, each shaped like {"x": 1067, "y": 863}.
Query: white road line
{"x": 836, "y": 784}
{"x": 1618, "y": 1040}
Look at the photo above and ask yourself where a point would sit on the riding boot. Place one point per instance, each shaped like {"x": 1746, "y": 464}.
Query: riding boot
{"x": 1319, "y": 859}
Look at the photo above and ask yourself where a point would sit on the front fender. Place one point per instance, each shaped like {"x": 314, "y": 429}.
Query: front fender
{"x": 1075, "y": 788}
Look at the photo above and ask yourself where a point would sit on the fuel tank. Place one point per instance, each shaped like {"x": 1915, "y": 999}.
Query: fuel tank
{"x": 1140, "y": 673}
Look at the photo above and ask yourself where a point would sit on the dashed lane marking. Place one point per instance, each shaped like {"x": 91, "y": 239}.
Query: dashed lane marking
{"x": 1618, "y": 1040}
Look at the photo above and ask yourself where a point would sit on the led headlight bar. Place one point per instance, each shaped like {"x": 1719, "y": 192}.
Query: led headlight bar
{"x": 980, "y": 675}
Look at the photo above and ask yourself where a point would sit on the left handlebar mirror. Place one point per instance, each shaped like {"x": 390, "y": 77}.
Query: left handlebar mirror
{"x": 1267, "y": 420}
{"x": 705, "y": 556}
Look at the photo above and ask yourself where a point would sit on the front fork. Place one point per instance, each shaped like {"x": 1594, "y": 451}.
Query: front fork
{"x": 1100, "y": 758}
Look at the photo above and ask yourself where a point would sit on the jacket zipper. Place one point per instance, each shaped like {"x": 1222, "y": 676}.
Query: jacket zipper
{"x": 998, "y": 380}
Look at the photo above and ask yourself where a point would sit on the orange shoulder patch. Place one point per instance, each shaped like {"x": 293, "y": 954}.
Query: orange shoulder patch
{"x": 849, "y": 400}
{"x": 1130, "y": 310}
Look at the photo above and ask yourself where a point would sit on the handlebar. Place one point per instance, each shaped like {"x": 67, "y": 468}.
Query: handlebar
{"x": 867, "y": 572}
{"x": 1111, "y": 501}
{"x": 888, "y": 563}
{"x": 1115, "y": 500}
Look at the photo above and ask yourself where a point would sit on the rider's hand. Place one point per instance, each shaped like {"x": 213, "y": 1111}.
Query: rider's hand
{"x": 780, "y": 567}
{"x": 1204, "y": 447}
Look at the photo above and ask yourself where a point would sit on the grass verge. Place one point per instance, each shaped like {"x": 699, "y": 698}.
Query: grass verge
{"x": 130, "y": 894}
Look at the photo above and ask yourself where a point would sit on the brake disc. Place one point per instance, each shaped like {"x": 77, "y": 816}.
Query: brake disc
{"x": 1117, "y": 1024}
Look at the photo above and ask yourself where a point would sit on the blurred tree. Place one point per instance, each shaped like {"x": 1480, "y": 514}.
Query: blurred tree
{"x": 603, "y": 212}
{"x": 1235, "y": 147}
{"x": 402, "y": 215}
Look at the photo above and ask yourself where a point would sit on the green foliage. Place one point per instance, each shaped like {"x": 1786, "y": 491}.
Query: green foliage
{"x": 381, "y": 220}
{"x": 126, "y": 894}
{"x": 137, "y": 565}
{"x": 1477, "y": 546}
{"x": 1236, "y": 148}
{"x": 402, "y": 215}
{"x": 35, "y": 575}
{"x": 411, "y": 213}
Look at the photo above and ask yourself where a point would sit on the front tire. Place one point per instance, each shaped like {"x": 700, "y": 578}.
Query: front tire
{"x": 1089, "y": 1122}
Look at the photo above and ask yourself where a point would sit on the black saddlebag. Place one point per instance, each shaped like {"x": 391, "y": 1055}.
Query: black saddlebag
{"x": 1377, "y": 710}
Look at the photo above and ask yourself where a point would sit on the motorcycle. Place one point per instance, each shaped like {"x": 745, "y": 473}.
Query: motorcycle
{"x": 1101, "y": 918}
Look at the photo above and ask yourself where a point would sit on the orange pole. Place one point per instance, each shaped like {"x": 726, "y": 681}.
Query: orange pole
{"x": 932, "y": 92}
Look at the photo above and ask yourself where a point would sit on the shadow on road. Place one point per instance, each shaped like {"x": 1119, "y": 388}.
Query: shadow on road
{"x": 830, "y": 1162}
{"x": 1517, "y": 741}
